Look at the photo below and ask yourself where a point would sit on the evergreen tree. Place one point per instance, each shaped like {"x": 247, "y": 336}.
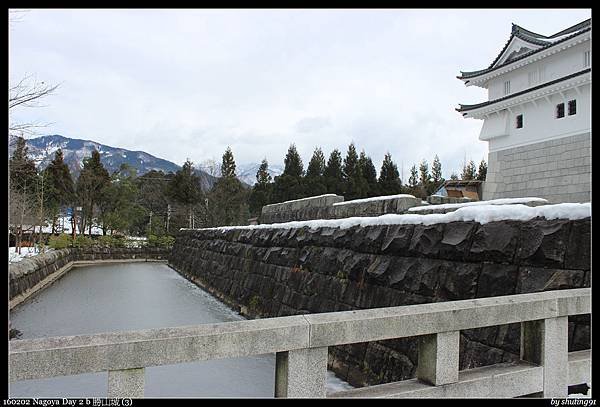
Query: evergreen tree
{"x": 228, "y": 198}
{"x": 334, "y": 179}
{"x": 261, "y": 192}
{"x": 90, "y": 188}
{"x": 153, "y": 196}
{"x": 119, "y": 210}
{"x": 424, "y": 177}
{"x": 316, "y": 166}
{"x": 22, "y": 169}
{"x": 482, "y": 172}
{"x": 454, "y": 176}
{"x": 436, "y": 172}
{"x": 315, "y": 180}
{"x": 389, "y": 178}
{"x": 369, "y": 173}
{"x": 59, "y": 189}
{"x": 413, "y": 180}
{"x": 293, "y": 163}
{"x": 185, "y": 187}
{"x": 228, "y": 166}
{"x": 469, "y": 171}
{"x": 23, "y": 182}
{"x": 355, "y": 186}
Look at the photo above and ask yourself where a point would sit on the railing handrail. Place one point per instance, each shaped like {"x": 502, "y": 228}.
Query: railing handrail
{"x": 69, "y": 355}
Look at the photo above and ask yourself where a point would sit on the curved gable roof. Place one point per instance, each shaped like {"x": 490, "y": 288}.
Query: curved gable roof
{"x": 540, "y": 41}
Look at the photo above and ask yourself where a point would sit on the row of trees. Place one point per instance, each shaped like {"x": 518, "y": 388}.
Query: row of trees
{"x": 119, "y": 203}
{"x": 353, "y": 176}
{"x": 157, "y": 203}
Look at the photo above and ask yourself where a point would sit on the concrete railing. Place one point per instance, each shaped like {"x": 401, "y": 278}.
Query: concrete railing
{"x": 300, "y": 344}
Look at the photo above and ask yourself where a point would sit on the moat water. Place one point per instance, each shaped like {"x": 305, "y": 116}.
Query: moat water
{"x": 131, "y": 296}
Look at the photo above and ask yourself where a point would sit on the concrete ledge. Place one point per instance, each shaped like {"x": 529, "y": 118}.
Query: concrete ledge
{"x": 501, "y": 381}
{"x": 71, "y": 355}
{"x": 341, "y": 328}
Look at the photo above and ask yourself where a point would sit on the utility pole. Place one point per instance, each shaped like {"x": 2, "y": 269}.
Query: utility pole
{"x": 150, "y": 223}
{"x": 41, "y": 214}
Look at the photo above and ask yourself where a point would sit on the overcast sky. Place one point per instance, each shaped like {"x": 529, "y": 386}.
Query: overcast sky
{"x": 187, "y": 83}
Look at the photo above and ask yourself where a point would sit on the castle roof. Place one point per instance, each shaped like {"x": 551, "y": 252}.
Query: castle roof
{"x": 536, "y": 43}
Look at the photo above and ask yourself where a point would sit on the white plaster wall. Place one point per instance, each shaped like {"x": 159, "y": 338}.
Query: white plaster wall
{"x": 558, "y": 65}
{"x": 539, "y": 122}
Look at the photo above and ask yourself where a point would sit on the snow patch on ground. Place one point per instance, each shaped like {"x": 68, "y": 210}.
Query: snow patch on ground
{"x": 14, "y": 257}
{"x": 375, "y": 198}
{"x": 504, "y": 201}
{"x": 481, "y": 214}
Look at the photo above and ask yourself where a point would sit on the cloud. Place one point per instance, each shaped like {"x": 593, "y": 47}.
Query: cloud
{"x": 188, "y": 83}
{"x": 310, "y": 124}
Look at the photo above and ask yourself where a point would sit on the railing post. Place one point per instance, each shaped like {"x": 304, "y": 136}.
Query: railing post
{"x": 301, "y": 373}
{"x": 127, "y": 383}
{"x": 438, "y": 358}
{"x": 545, "y": 342}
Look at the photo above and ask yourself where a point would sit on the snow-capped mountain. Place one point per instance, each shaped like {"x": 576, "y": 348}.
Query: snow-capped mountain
{"x": 247, "y": 172}
{"x": 42, "y": 149}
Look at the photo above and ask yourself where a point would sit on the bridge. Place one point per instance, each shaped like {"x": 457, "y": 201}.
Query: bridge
{"x": 300, "y": 343}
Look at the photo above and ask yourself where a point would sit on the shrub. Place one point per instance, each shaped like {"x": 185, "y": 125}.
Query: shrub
{"x": 61, "y": 241}
{"x": 83, "y": 242}
{"x": 165, "y": 241}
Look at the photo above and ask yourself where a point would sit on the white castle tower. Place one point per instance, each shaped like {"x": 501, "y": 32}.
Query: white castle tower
{"x": 537, "y": 119}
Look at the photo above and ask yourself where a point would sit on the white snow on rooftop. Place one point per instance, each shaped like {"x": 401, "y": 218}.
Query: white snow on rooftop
{"x": 481, "y": 214}
{"x": 375, "y": 198}
{"x": 503, "y": 201}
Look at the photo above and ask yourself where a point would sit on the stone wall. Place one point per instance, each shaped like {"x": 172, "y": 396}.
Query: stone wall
{"x": 30, "y": 271}
{"x": 276, "y": 272}
{"x": 557, "y": 170}
{"x": 333, "y": 207}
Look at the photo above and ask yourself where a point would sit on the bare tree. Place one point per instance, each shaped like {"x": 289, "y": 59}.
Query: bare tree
{"x": 28, "y": 92}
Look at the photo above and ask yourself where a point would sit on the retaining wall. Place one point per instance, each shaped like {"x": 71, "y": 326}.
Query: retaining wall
{"x": 276, "y": 272}
{"x": 333, "y": 207}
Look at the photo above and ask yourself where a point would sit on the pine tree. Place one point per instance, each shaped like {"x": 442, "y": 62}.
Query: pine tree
{"x": 261, "y": 191}
{"x": 23, "y": 180}
{"x": 316, "y": 166}
{"x": 454, "y": 176}
{"x": 334, "y": 178}
{"x": 469, "y": 171}
{"x": 90, "y": 188}
{"x": 228, "y": 197}
{"x": 22, "y": 169}
{"x": 389, "y": 178}
{"x": 185, "y": 189}
{"x": 262, "y": 175}
{"x": 413, "y": 180}
{"x": 59, "y": 189}
{"x": 354, "y": 184}
{"x": 315, "y": 180}
{"x": 293, "y": 163}
{"x": 228, "y": 166}
{"x": 437, "y": 180}
{"x": 482, "y": 172}
{"x": 424, "y": 177}
{"x": 369, "y": 173}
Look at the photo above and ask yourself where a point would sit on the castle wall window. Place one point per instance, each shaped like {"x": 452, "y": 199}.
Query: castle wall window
{"x": 532, "y": 77}
{"x": 560, "y": 110}
{"x": 520, "y": 121}
{"x": 572, "y": 107}
{"x": 587, "y": 59}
